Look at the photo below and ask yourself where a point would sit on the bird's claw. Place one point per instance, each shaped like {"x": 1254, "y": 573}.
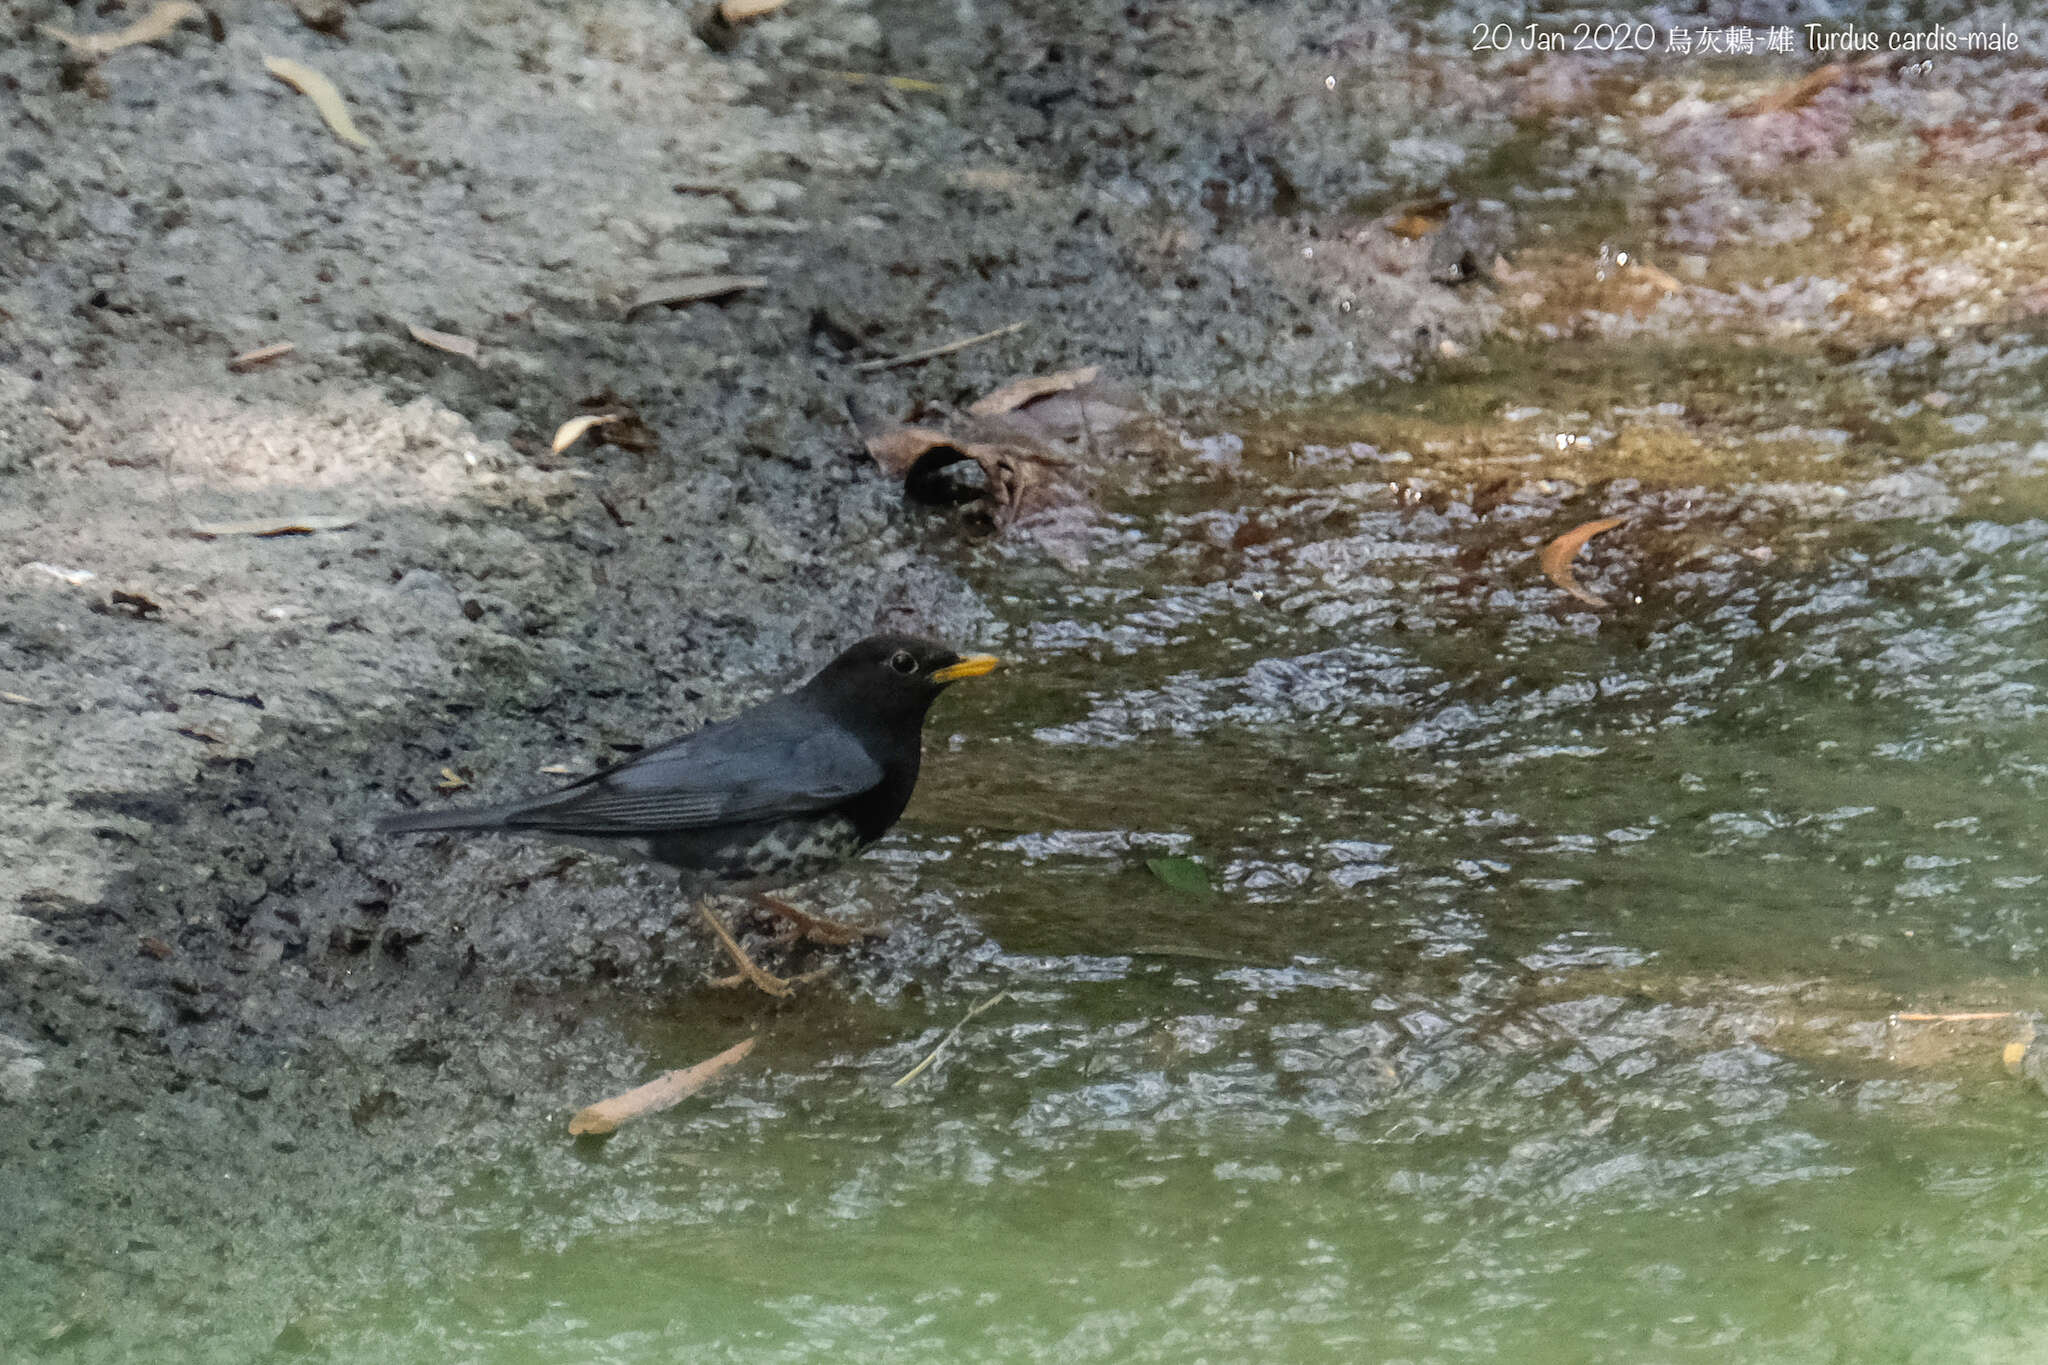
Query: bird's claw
{"x": 778, "y": 986}
{"x": 750, "y": 970}
{"x": 809, "y": 928}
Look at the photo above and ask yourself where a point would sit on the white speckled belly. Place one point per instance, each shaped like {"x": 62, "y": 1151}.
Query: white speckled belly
{"x": 786, "y": 853}
{"x": 755, "y": 857}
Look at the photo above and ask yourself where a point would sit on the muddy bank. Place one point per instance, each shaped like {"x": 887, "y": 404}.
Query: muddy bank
{"x": 225, "y": 1006}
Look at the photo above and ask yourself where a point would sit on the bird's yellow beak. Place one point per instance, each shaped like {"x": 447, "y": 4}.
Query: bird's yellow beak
{"x": 973, "y": 666}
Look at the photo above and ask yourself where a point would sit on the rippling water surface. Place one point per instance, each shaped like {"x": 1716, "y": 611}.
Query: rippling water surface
{"x": 1546, "y": 1002}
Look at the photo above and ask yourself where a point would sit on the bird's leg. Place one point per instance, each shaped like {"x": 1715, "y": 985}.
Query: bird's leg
{"x": 749, "y": 969}
{"x": 815, "y": 928}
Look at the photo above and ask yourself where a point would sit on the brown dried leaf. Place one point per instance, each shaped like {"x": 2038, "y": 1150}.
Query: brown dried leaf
{"x": 1800, "y": 92}
{"x": 1557, "y": 557}
{"x": 746, "y": 11}
{"x": 443, "y": 341}
{"x": 135, "y": 604}
{"x": 571, "y": 431}
{"x": 1083, "y": 415}
{"x": 630, "y": 432}
{"x": 325, "y": 97}
{"x": 663, "y": 1092}
{"x": 279, "y": 526}
{"x": 262, "y": 355}
{"x": 1420, "y": 217}
{"x": 1023, "y": 477}
{"x": 1019, "y": 392}
{"x": 156, "y": 24}
{"x": 898, "y": 449}
{"x": 692, "y": 289}
{"x": 323, "y": 16}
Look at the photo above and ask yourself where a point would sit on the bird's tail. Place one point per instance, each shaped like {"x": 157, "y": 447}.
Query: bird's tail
{"x": 421, "y": 821}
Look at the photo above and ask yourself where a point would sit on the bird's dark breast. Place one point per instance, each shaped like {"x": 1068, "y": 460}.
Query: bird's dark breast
{"x": 761, "y": 854}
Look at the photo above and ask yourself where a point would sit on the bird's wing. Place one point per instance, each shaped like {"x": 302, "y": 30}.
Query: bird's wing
{"x": 780, "y": 759}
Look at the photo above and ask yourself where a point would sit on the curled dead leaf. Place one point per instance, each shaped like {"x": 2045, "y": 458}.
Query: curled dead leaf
{"x": 1557, "y": 557}
{"x": 465, "y": 347}
{"x": 746, "y": 11}
{"x": 571, "y": 431}
{"x": 720, "y": 25}
{"x": 450, "y": 781}
{"x": 899, "y": 449}
{"x": 1078, "y": 417}
{"x": 323, "y": 16}
{"x": 1021, "y": 477}
{"x": 1019, "y": 392}
{"x": 158, "y": 23}
{"x": 325, "y": 97}
{"x": 1419, "y": 217}
{"x": 663, "y": 1092}
{"x": 276, "y": 526}
{"x": 684, "y": 289}
{"x": 139, "y": 606}
{"x": 627, "y": 430}
{"x": 262, "y": 355}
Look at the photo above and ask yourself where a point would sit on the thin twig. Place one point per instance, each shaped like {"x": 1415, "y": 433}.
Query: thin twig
{"x": 1954, "y": 1018}
{"x": 907, "y": 1077}
{"x": 934, "y": 352}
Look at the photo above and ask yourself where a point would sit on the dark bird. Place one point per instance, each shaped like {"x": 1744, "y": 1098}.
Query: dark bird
{"x": 777, "y": 795}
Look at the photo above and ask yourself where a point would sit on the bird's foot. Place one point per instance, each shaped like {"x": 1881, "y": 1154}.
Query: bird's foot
{"x": 814, "y": 928}
{"x": 761, "y": 977}
{"x": 750, "y": 970}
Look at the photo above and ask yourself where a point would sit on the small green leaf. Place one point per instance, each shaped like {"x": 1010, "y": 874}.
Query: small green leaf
{"x": 1184, "y": 875}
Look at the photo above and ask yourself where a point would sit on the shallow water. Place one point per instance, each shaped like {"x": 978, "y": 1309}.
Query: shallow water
{"x": 1543, "y": 1007}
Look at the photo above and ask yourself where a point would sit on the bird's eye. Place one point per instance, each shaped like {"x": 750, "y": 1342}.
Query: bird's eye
{"x": 903, "y": 663}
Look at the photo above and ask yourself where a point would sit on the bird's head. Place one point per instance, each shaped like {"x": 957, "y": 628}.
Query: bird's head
{"x": 894, "y": 677}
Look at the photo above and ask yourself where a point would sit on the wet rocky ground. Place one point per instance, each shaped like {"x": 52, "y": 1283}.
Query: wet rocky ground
{"x": 251, "y": 1054}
